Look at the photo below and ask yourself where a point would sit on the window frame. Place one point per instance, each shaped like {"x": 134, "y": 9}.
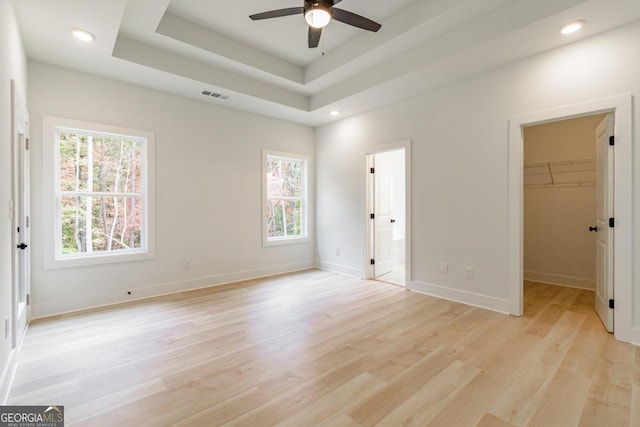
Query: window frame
{"x": 278, "y": 241}
{"x": 53, "y": 257}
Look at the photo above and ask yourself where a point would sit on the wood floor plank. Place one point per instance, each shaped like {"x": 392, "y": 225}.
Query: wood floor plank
{"x": 490, "y": 420}
{"x": 545, "y": 320}
{"x": 563, "y": 402}
{"x": 339, "y": 420}
{"x": 425, "y": 403}
{"x": 94, "y": 408}
{"x": 598, "y": 412}
{"x": 277, "y": 409}
{"x": 321, "y": 349}
{"x": 587, "y": 349}
{"x": 520, "y": 399}
{"x": 342, "y": 399}
{"x": 470, "y": 405}
{"x": 637, "y": 365}
{"x": 401, "y": 388}
{"x": 634, "y": 417}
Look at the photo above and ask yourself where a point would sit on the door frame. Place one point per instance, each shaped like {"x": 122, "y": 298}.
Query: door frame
{"x": 19, "y": 118}
{"x": 369, "y": 241}
{"x": 622, "y": 109}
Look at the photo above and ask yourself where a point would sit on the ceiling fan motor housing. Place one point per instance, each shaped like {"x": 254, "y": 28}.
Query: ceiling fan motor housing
{"x": 318, "y": 4}
{"x": 327, "y": 4}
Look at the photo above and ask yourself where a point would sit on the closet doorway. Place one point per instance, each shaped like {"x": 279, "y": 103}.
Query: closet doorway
{"x": 568, "y": 189}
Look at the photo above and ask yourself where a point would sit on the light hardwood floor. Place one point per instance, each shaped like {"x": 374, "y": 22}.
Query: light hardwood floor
{"x": 321, "y": 349}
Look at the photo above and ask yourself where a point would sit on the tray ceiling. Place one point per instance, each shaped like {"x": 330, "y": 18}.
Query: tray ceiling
{"x": 190, "y": 46}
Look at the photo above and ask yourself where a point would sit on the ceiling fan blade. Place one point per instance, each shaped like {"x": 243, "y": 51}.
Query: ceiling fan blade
{"x": 314, "y": 36}
{"x": 277, "y": 13}
{"x": 351, "y": 18}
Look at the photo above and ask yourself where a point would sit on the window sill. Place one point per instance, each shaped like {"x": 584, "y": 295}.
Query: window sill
{"x": 281, "y": 242}
{"x": 89, "y": 260}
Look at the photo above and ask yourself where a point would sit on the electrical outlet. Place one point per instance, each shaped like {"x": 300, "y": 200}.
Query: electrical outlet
{"x": 468, "y": 272}
{"x": 186, "y": 263}
{"x": 338, "y": 252}
{"x": 444, "y": 267}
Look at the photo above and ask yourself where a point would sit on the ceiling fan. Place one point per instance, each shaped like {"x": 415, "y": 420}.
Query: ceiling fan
{"x": 318, "y": 14}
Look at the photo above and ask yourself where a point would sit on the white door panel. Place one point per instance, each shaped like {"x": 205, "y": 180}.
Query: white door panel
{"x": 604, "y": 241}
{"x": 383, "y": 228}
{"x": 20, "y": 216}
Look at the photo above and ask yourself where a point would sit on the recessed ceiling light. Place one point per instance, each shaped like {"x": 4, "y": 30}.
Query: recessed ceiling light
{"x": 83, "y": 35}
{"x": 335, "y": 113}
{"x": 572, "y": 27}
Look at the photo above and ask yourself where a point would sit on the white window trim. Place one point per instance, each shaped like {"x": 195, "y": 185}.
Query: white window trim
{"x": 50, "y": 185}
{"x": 278, "y": 241}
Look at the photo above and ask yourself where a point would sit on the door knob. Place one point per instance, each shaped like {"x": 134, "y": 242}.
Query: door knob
{"x": 393, "y": 221}
{"x": 593, "y": 228}
{"x": 22, "y": 246}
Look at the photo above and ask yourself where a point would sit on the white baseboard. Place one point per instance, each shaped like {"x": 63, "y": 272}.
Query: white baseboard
{"x": 74, "y": 304}
{"x": 557, "y": 279}
{"x": 477, "y": 300}
{"x": 339, "y": 268}
{"x": 630, "y": 335}
{"x": 8, "y": 372}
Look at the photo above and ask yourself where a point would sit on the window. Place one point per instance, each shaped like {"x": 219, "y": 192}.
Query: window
{"x": 284, "y": 198}
{"x": 99, "y": 188}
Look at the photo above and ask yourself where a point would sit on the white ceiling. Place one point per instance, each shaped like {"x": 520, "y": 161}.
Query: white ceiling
{"x": 187, "y": 46}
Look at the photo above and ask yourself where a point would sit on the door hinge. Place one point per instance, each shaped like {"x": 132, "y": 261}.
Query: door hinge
{"x": 373, "y": 261}
{"x": 372, "y": 170}
{"x": 28, "y": 299}
{"x": 611, "y": 304}
{"x": 26, "y": 145}
{"x": 612, "y": 222}
{"x": 27, "y": 222}
{"x": 612, "y": 140}
{"x": 372, "y": 216}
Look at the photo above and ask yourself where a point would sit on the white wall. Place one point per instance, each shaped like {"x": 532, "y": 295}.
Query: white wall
{"x": 14, "y": 66}
{"x": 558, "y": 247}
{"x": 208, "y": 169}
{"x": 460, "y": 164}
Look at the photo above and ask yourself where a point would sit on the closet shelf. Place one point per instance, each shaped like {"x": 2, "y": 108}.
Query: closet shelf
{"x": 569, "y": 173}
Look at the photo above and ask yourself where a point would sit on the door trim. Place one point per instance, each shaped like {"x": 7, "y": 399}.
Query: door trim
{"x": 622, "y": 108}
{"x": 377, "y": 149}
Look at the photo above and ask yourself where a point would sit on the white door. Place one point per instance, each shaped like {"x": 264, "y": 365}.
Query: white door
{"x": 604, "y": 240}
{"x": 20, "y": 216}
{"x": 382, "y": 219}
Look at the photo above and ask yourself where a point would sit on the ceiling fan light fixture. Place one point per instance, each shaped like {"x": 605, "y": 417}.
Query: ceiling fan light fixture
{"x": 317, "y": 16}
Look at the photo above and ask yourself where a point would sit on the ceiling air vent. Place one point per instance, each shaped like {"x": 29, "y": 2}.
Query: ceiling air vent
{"x": 215, "y": 95}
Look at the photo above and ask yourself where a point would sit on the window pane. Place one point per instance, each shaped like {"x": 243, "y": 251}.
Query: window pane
{"x": 74, "y": 231}
{"x": 284, "y": 218}
{"x": 73, "y": 162}
{"x": 116, "y": 165}
{"x": 284, "y": 178}
{"x": 114, "y": 224}
{"x": 99, "y": 164}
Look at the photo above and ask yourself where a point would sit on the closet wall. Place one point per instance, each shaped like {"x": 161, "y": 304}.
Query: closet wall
{"x": 560, "y": 202}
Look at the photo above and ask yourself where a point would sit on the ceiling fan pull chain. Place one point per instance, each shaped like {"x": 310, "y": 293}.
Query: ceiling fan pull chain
{"x": 323, "y": 43}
